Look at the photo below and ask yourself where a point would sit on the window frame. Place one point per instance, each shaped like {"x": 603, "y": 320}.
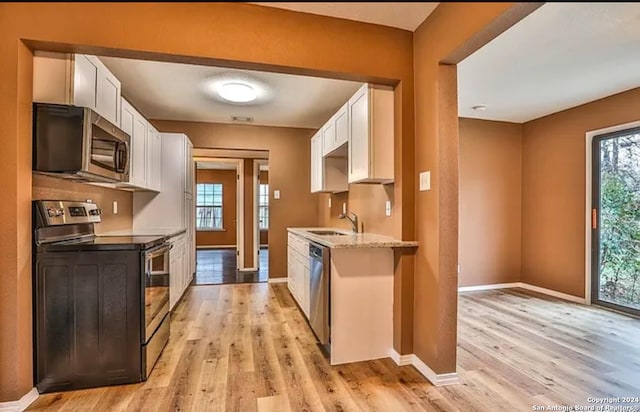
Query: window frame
{"x": 213, "y": 206}
{"x": 263, "y": 205}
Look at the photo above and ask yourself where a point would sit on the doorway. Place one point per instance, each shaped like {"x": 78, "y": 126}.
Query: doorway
{"x": 616, "y": 221}
{"x": 232, "y": 218}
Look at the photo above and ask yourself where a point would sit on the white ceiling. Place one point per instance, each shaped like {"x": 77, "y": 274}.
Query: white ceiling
{"x": 561, "y": 56}
{"x": 172, "y": 91}
{"x": 407, "y": 16}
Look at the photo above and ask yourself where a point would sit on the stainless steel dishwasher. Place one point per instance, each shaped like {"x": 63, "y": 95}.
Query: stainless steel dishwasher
{"x": 319, "y": 294}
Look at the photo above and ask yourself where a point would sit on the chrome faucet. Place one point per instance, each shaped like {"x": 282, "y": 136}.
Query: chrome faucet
{"x": 353, "y": 219}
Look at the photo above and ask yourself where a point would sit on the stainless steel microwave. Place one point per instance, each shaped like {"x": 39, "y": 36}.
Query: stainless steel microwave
{"x": 77, "y": 143}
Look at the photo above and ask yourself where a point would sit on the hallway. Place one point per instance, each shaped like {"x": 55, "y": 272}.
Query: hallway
{"x": 218, "y": 266}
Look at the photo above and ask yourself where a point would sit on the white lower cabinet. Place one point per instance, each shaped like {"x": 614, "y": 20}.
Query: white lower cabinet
{"x": 299, "y": 281}
{"x": 180, "y": 275}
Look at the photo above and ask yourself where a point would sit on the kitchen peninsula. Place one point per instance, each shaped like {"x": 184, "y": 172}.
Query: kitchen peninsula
{"x": 360, "y": 303}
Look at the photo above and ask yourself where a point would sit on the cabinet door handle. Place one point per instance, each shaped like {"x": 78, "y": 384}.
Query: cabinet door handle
{"x": 594, "y": 219}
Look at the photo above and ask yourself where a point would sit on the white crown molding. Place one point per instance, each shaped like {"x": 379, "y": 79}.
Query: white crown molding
{"x": 278, "y": 280}
{"x": 22, "y": 404}
{"x": 436, "y": 379}
{"x": 544, "y": 291}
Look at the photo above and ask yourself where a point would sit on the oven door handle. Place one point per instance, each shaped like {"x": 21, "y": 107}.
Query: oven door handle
{"x": 158, "y": 250}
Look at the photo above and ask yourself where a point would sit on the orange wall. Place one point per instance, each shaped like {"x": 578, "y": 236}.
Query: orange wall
{"x": 248, "y": 212}
{"x": 365, "y": 200}
{"x": 286, "y": 42}
{"x": 227, "y": 236}
{"x": 490, "y": 202}
{"x": 451, "y": 33}
{"x": 553, "y": 190}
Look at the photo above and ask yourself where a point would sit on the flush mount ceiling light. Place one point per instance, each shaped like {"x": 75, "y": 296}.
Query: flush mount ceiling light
{"x": 237, "y": 92}
{"x": 479, "y": 107}
{"x": 237, "y": 88}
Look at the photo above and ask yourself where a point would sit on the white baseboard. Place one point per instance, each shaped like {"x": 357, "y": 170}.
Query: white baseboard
{"x": 215, "y": 246}
{"x": 22, "y": 404}
{"x": 489, "y": 287}
{"x": 555, "y": 294}
{"x": 559, "y": 295}
{"x": 400, "y": 360}
{"x": 253, "y": 269}
{"x": 279, "y": 280}
{"x": 436, "y": 379}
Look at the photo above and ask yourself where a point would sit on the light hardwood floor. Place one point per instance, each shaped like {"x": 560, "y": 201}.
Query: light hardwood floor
{"x": 247, "y": 348}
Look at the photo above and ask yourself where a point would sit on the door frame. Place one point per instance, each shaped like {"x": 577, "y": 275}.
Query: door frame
{"x": 256, "y": 214}
{"x": 239, "y": 226}
{"x": 589, "y": 137}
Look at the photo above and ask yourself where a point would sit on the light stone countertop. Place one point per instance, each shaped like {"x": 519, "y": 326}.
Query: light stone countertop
{"x": 350, "y": 239}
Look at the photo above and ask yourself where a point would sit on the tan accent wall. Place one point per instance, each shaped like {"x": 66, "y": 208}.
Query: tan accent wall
{"x": 553, "y": 190}
{"x": 45, "y": 187}
{"x": 296, "y": 206}
{"x": 228, "y": 180}
{"x": 365, "y": 200}
{"x": 490, "y": 202}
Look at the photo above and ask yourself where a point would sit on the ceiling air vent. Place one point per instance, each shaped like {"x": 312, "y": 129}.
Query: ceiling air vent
{"x": 242, "y": 119}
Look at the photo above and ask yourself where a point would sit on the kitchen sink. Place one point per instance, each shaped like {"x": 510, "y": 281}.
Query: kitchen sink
{"x": 327, "y": 233}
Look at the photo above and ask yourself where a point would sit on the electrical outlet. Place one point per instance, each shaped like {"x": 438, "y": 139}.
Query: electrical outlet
{"x": 425, "y": 181}
{"x": 344, "y": 208}
{"x": 276, "y": 194}
{"x": 387, "y": 208}
{"x": 115, "y": 207}
{"x": 329, "y": 203}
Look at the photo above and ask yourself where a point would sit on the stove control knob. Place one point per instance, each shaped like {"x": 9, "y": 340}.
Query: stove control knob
{"x": 51, "y": 212}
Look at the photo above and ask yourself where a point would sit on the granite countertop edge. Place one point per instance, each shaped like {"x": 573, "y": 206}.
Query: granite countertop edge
{"x": 350, "y": 240}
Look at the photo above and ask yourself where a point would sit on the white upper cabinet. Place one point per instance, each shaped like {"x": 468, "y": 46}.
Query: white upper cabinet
{"x": 190, "y": 166}
{"x": 317, "y": 169}
{"x": 154, "y": 159}
{"x": 108, "y": 94}
{"x": 77, "y": 79}
{"x": 328, "y": 137}
{"x": 135, "y": 125}
{"x": 341, "y": 121}
{"x": 335, "y": 133}
{"x": 371, "y": 135}
{"x": 85, "y": 81}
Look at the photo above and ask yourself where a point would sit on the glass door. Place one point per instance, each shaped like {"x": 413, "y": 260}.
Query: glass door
{"x": 616, "y": 221}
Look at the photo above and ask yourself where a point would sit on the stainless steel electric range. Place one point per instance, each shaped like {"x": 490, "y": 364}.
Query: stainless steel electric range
{"x": 101, "y": 303}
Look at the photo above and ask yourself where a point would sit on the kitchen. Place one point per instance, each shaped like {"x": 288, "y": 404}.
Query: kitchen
{"x": 274, "y": 362}
{"x": 154, "y": 161}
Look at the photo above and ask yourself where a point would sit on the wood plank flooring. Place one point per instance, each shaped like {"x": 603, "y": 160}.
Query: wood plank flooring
{"x": 247, "y": 348}
{"x": 218, "y": 266}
